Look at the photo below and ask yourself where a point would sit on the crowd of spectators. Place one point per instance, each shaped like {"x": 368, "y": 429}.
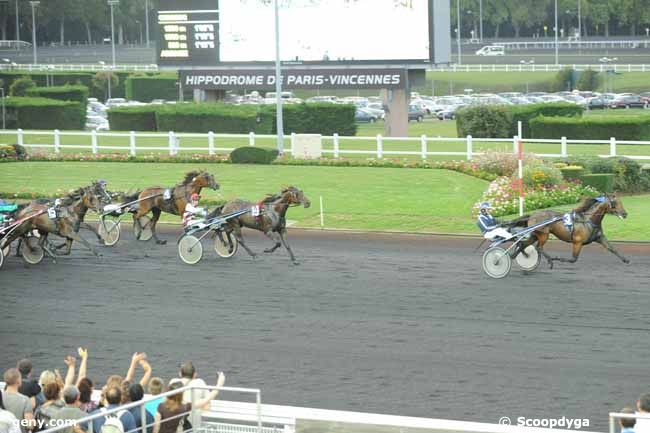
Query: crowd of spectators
{"x": 28, "y": 405}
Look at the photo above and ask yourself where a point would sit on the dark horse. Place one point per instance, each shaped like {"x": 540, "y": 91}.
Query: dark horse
{"x": 271, "y": 219}
{"x": 587, "y": 227}
{"x": 72, "y": 206}
{"x": 153, "y": 199}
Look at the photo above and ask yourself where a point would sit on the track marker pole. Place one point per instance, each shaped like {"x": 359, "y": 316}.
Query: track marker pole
{"x": 520, "y": 166}
{"x": 322, "y": 221}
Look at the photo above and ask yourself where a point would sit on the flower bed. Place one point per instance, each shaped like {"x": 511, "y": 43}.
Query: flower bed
{"x": 503, "y": 195}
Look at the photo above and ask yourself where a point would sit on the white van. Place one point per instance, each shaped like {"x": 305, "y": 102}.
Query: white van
{"x": 491, "y": 50}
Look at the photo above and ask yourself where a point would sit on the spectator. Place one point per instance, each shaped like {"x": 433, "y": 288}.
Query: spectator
{"x": 188, "y": 376}
{"x": 86, "y": 403}
{"x": 8, "y": 421}
{"x": 124, "y": 389}
{"x": 71, "y": 410}
{"x": 113, "y": 398}
{"x": 643, "y": 408}
{"x": 156, "y": 386}
{"x": 50, "y": 408}
{"x": 29, "y": 386}
{"x": 627, "y": 424}
{"x": 139, "y": 359}
{"x": 18, "y": 404}
{"x": 114, "y": 381}
{"x": 168, "y": 416}
{"x": 136, "y": 393}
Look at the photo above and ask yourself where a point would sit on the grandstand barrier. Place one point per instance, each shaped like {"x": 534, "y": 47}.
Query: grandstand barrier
{"x": 423, "y": 147}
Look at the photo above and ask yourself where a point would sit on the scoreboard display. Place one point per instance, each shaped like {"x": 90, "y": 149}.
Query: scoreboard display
{"x": 188, "y": 33}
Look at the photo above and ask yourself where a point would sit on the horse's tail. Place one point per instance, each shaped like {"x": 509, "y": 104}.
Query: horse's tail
{"x": 521, "y": 221}
{"x": 128, "y": 197}
{"x": 216, "y": 212}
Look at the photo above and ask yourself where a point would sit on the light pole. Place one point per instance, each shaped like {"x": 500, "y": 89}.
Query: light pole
{"x": 460, "y": 60}
{"x": 557, "y": 54}
{"x": 34, "y": 4}
{"x": 480, "y": 17}
{"x": 140, "y": 29}
{"x": 108, "y": 80}
{"x": 146, "y": 20}
{"x": 579, "y": 21}
{"x": 112, "y": 3}
{"x": 17, "y": 22}
{"x": 4, "y": 116}
{"x": 278, "y": 83}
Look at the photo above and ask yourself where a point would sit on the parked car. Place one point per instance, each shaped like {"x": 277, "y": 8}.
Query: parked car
{"x": 416, "y": 113}
{"x": 594, "y": 103}
{"x": 628, "y": 102}
{"x": 363, "y": 115}
{"x": 377, "y": 109}
{"x": 491, "y": 50}
{"x": 450, "y": 112}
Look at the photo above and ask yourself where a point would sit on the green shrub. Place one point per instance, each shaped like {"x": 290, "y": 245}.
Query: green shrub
{"x": 253, "y": 155}
{"x": 629, "y": 176}
{"x": 603, "y": 182}
{"x": 483, "y": 121}
{"x": 78, "y": 93}
{"x": 147, "y": 88}
{"x": 20, "y": 86}
{"x": 315, "y": 118}
{"x": 43, "y": 113}
{"x": 501, "y": 163}
{"x": 632, "y": 128}
{"x": 132, "y": 118}
{"x": 7, "y": 152}
{"x": 589, "y": 80}
{"x": 541, "y": 175}
{"x": 219, "y": 118}
{"x": 572, "y": 172}
{"x": 100, "y": 83}
{"x": 525, "y": 113}
{"x": 563, "y": 80}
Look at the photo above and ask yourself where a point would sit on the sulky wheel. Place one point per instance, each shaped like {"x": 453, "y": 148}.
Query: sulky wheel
{"x": 146, "y": 232}
{"x": 6, "y": 250}
{"x": 31, "y": 250}
{"x": 109, "y": 230}
{"x": 225, "y": 244}
{"x": 496, "y": 262}
{"x": 529, "y": 259}
{"x": 190, "y": 250}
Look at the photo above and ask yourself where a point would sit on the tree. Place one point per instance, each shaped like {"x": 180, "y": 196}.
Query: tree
{"x": 19, "y": 87}
{"x": 101, "y": 82}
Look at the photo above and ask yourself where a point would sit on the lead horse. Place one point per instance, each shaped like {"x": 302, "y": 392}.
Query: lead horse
{"x": 155, "y": 201}
{"x": 587, "y": 227}
{"x": 270, "y": 219}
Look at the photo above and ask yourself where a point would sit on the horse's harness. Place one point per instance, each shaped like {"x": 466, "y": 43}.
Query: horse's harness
{"x": 596, "y": 229}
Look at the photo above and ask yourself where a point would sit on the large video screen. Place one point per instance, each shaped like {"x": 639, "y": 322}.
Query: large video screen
{"x": 214, "y": 32}
{"x": 325, "y": 30}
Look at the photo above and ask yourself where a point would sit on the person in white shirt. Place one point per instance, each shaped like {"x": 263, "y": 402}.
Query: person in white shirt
{"x": 489, "y": 225}
{"x": 8, "y": 421}
{"x": 192, "y": 210}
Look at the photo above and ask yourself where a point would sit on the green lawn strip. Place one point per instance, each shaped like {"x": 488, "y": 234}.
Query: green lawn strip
{"x": 445, "y": 83}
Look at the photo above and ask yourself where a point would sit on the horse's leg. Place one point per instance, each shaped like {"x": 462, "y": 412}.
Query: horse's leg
{"x": 609, "y": 247}
{"x": 541, "y": 240}
{"x": 44, "y": 244}
{"x": 154, "y": 219}
{"x": 282, "y": 233}
{"x": 269, "y": 234}
{"x": 87, "y": 226}
{"x": 240, "y": 239}
{"x": 72, "y": 236}
{"x": 577, "y": 247}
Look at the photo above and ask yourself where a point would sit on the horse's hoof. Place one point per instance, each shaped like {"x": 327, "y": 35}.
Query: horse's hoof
{"x": 626, "y": 261}
{"x": 268, "y": 250}
{"x": 295, "y": 263}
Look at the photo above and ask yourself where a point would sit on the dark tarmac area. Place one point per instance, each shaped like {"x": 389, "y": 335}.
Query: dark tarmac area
{"x": 387, "y": 323}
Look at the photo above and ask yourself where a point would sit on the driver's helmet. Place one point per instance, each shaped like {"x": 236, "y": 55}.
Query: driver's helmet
{"x": 57, "y": 202}
{"x": 195, "y": 196}
{"x": 102, "y": 182}
{"x": 485, "y": 205}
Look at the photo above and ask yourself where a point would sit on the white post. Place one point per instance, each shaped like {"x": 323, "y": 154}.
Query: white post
{"x": 322, "y": 221}
{"x": 293, "y": 143}
{"x": 612, "y": 146}
{"x": 380, "y": 146}
{"x": 469, "y": 147}
{"x": 251, "y": 138}
{"x": 132, "y": 143}
{"x": 336, "y": 145}
{"x": 563, "y": 142}
{"x": 20, "y": 136}
{"x": 172, "y": 143}
{"x": 210, "y": 143}
{"x": 520, "y": 166}
{"x": 520, "y": 133}
{"x": 515, "y": 143}
{"x": 423, "y": 143}
{"x": 93, "y": 141}
{"x": 57, "y": 141}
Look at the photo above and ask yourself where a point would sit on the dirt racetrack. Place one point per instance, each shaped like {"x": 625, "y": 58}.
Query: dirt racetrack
{"x": 398, "y": 324}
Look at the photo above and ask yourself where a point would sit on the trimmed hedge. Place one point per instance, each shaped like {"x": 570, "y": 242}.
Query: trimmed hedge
{"x": 133, "y": 118}
{"x": 603, "y": 182}
{"x": 316, "y": 118}
{"x": 592, "y": 128}
{"x": 253, "y": 155}
{"x": 147, "y": 88}
{"x": 572, "y": 172}
{"x": 486, "y": 121}
{"x": 63, "y": 78}
{"x": 628, "y": 175}
{"x": 78, "y": 93}
{"x": 219, "y": 118}
{"x": 43, "y": 113}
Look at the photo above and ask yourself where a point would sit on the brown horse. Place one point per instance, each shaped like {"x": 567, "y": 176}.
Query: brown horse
{"x": 153, "y": 199}
{"x": 68, "y": 212}
{"x": 587, "y": 227}
{"x": 271, "y": 219}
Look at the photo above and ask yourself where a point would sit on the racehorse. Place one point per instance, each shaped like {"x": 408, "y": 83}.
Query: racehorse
{"x": 587, "y": 227}
{"x": 68, "y": 212}
{"x": 153, "y": 199}
{"x": 99, "y": 190}
{"x": 271, "y": 218}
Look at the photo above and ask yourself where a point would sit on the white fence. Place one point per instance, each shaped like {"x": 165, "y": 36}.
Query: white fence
{"x": 540, "y": 68}
{"x": 209, "y": 144}
{"x": 94, "y": 67}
